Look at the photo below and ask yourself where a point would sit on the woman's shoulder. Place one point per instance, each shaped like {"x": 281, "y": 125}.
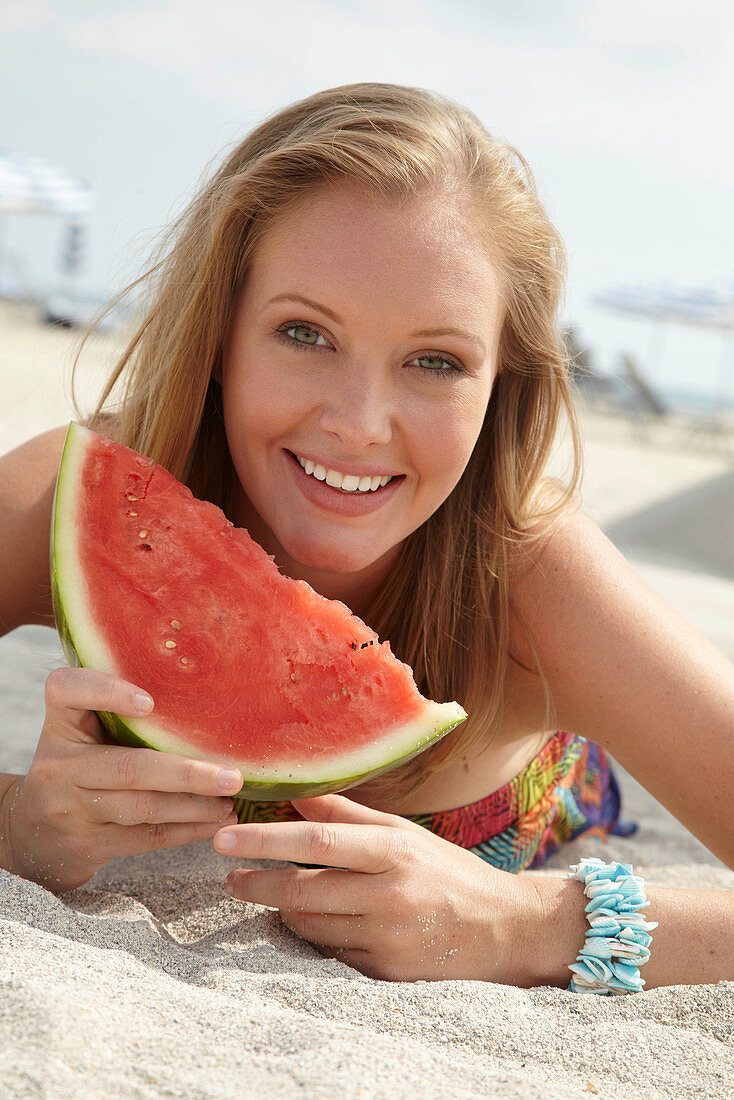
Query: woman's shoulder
{"x": 567, "y": 579}
{"x": 609, "y": 645}
{"x": 27, "y": 481}
{"x": 549, "y": 544}
{"x": 552, "y": 598}
{"x": 574, "y": 598}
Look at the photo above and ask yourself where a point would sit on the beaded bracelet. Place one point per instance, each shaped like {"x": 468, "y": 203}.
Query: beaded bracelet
{"x": 618, "y": 940}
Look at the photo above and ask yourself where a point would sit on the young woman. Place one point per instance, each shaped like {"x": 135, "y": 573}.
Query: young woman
{"x": 350, "y": 344}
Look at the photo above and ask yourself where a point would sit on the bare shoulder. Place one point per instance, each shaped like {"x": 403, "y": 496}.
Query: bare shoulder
{"x": 568, "y": 564}
{"x": 562, "y": 575}
{"x": 582, "y": 603}
{"x": 552, "y": 569}
{"x": 628, "y": 671}
{"x": 27, "y": 481}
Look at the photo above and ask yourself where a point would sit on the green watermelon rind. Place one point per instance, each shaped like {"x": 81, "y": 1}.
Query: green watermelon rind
{"x": 84, "y": 647}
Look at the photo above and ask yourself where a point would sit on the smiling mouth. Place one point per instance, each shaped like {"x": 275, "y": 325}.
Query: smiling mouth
{"x": 345, "y": 483}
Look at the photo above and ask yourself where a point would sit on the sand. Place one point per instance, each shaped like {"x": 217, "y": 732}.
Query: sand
{"x": 151, "y": 982}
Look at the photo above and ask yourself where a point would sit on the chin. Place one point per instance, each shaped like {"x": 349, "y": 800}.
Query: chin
{"x": 329, "y": 557}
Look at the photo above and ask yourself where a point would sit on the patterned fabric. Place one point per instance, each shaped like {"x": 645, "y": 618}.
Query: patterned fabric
{"x": 568, "y": 790}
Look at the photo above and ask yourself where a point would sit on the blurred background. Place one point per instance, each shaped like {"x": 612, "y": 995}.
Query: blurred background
{"x": 114, "y": 111}
{"x": 621, "y": 109}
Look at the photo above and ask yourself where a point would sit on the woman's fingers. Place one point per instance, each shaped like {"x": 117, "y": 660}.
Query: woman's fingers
{"x": 153, "y": 807}
{"x": 340, "y": 933}
{"x": 70, "y": 692}
{"x": 297, "y": 890}
{"x": 337, "y": 807}
{"x": 113, "y": 842}
{"x": 326, "y": 907}
{"x": 118, "y": 768}
{"x": 368, "y": 848}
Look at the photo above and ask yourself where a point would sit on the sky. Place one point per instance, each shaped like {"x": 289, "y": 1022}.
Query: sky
{"x": 622, "y": 109}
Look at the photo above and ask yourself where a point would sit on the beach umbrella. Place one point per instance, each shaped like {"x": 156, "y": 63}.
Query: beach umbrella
{"x": 30, "y": 185}
{"x": 709, "y": 306}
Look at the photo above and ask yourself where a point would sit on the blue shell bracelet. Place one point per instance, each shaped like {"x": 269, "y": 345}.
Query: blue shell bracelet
{"x": 618, "y": 939}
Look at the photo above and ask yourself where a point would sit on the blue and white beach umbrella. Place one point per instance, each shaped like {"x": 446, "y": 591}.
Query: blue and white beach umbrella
{"x": 711, "y": 306}
{"x": 29, "y": 185}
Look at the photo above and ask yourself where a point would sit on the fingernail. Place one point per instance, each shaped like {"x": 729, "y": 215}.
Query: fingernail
{"x": 225, "y": 842}
{"x": 143, "y": 701}
{"x": 228, "y": 776}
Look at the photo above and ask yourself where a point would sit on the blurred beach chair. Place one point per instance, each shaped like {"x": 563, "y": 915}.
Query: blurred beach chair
{"x": 624, "y": 393}
{"x": 645, "y": 407}
{"x": 709, "y": 431}
{"x": 595, "y": 389}
{"x": 628, "y": 394}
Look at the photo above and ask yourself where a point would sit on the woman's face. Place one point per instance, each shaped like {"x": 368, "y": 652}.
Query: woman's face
{"x": 363, "y": 346}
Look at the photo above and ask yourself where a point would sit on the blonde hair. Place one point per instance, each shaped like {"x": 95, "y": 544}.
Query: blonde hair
{"x": 446, "y": 607}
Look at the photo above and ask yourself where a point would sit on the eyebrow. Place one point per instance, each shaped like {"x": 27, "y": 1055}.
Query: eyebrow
{"x": 443, "y": 331}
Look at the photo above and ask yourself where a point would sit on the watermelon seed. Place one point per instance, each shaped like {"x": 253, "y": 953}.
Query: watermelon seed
{"x": 131, "y": 496}
{"x": 170, "y": 644}
{"x": 295, "y": 677}
{"x": 185, "y": 661}
{"x": 131, "y": 513}
{"x": 354, "y": 645}
{"x": 344, "y": 691}
{"x": 146, "y": 546}
{"x": 175, "y": 624}
{"x": 142, "y": 534}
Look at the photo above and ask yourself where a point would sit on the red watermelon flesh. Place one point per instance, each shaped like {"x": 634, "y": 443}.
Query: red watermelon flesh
{"x": 245, "y": 665}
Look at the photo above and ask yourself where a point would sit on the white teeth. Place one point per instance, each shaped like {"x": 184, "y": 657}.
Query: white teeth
{"x": 349, "y": 483}
{"x": 334, "y": 479}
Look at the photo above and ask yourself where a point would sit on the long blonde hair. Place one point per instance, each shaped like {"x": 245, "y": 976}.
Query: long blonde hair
{"x": 446, "y": 607}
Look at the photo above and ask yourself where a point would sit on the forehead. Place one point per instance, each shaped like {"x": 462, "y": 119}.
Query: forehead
{"x": 427, "y": 249}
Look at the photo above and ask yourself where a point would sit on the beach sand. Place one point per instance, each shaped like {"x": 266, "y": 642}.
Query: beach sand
{"x": 151, "y": 982}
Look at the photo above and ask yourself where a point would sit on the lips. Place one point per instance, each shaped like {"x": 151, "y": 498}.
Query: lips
{"x": 346, "y": 502}
{"x": 349, "y": 481}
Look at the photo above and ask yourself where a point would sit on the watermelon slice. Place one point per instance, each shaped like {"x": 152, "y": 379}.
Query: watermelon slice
{"x": 246, "y": 666}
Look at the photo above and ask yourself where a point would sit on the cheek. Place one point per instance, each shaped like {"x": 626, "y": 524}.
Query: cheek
{"x": 254, "y": 407}
{"x": 456, "y": 434}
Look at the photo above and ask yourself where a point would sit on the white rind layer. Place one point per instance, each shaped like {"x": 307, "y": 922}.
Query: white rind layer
{"x": 402, "y": 742}
{"x": 85, "y": 644}
{"x": 68, "y": 575}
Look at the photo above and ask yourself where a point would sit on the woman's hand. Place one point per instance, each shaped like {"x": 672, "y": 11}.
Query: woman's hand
{"x": 394, "y": 900}
{"x": 85, "y": 802}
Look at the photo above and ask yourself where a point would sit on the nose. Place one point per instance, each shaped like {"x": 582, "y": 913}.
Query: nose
{"x": 359, "y": 409}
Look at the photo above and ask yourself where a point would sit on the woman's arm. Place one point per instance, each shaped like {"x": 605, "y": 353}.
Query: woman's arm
{"x": 27, "y": 481}
{"x": 627, "y": 671}
{"x": 407, "y": 905}
{"x": 692, "y": 945}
